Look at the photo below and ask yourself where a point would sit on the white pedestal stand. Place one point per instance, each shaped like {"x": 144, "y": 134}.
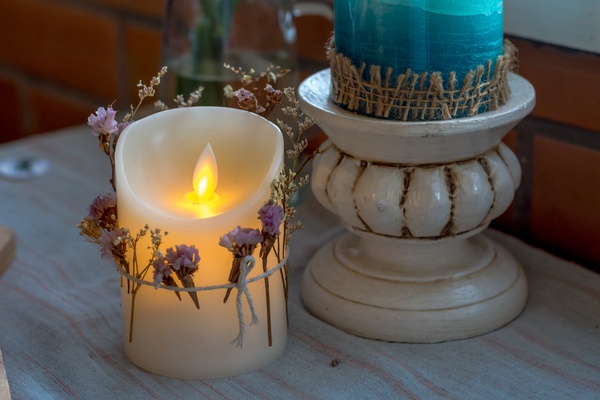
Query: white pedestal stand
{"x": 414, "y": 196}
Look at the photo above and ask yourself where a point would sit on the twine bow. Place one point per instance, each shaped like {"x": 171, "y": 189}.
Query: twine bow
{"x": 246, "y": 265}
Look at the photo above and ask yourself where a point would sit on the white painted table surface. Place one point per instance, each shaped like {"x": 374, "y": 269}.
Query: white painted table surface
{"x": 60, "y": 329}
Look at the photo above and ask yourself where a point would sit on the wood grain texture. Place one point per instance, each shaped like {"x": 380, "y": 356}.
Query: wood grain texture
{"x": 7, "y": 248}
{"x": 4, "y": 390}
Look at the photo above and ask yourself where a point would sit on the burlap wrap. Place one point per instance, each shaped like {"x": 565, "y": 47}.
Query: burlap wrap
{"x": 419, "y": 97}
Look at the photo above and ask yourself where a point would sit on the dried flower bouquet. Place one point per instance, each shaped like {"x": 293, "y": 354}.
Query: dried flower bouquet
{"x": 174, "y": 268}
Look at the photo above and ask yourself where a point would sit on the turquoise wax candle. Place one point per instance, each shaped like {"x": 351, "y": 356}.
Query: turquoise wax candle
{"x": 423, "y": 35}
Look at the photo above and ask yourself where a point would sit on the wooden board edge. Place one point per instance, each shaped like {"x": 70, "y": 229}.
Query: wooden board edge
{"x": 7, "y": 248}
{"x": 4, "y": 389}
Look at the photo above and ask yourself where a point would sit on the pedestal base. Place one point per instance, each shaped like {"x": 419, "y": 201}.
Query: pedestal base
{"x": 428, "y": 292}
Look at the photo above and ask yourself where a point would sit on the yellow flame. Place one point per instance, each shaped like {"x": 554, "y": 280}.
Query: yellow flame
{"x": 206, "y": 175}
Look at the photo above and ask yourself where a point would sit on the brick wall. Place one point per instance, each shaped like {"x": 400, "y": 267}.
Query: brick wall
{"x": 61, "y": 59}
{"x": 557, "y": 206}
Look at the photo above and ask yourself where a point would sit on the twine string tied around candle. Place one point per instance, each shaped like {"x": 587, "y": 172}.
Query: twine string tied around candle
{"x": 246, "y": 265}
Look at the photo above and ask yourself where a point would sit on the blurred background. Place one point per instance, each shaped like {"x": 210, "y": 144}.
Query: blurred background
{"x": 62, "y": 59}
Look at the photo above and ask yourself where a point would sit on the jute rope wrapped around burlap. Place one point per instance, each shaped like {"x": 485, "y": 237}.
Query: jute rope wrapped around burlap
{"x": 419, "y": 97}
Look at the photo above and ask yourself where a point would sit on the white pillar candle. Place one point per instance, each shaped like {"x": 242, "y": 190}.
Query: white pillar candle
{"x": 155, "y": 162}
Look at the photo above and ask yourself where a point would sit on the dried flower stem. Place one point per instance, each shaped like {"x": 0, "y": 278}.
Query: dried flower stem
{"x": 256, "y": 93}
{"x": 131, "y": 316}
{"x": 108, "y": 139}
{"x": 268, "y": 299}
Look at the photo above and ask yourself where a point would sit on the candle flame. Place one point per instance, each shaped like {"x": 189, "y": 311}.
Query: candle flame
{"x": 206, "y": 175}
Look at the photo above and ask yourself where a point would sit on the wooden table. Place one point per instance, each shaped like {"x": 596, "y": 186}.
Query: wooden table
{"x": 60, "y": 324}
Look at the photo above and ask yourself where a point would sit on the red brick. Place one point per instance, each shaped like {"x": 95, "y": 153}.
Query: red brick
{"x": 10, "y": 121}
{"x": 52, "y": 110}
{"x": 150, "y": 8}
{"x": 142, "y": 48}
{"x": 313, "y": 33}
{"x": 68, "y": 45}
{"x": 508, "y": 221}
{"x": 565, "y": 207}
{"x": 567, "y": 83}
{"x": 511, "y": 139}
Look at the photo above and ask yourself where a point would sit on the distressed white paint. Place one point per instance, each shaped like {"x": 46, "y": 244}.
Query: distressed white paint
{"x": 414, "y": 197}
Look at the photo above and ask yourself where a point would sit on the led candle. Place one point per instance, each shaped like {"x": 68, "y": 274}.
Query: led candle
{"x": 423, "y": 35}
{"x": 155, "y": 163}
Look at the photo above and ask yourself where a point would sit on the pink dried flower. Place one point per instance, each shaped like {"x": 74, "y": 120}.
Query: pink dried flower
{"x": 271, "y": 216}
{"x": 162, "y": 270}
{"x": 102, "y": 206}
{"x": 114, "y": 243}
{"x": 246, "y": 99}
{"x": 241, "y": 241}
{"x": 244, "y": 95}
{"x": 273, "y": 95}
{"x": 183, "y": 258}
{"x": 103, "y": 123}
{"x": 121, "y": 126}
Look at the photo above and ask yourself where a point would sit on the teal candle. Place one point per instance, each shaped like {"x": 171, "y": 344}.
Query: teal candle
{"x": 423, "y": 35}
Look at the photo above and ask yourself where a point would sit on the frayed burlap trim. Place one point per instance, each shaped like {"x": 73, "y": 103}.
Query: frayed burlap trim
{"x": 419, "y": 97}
